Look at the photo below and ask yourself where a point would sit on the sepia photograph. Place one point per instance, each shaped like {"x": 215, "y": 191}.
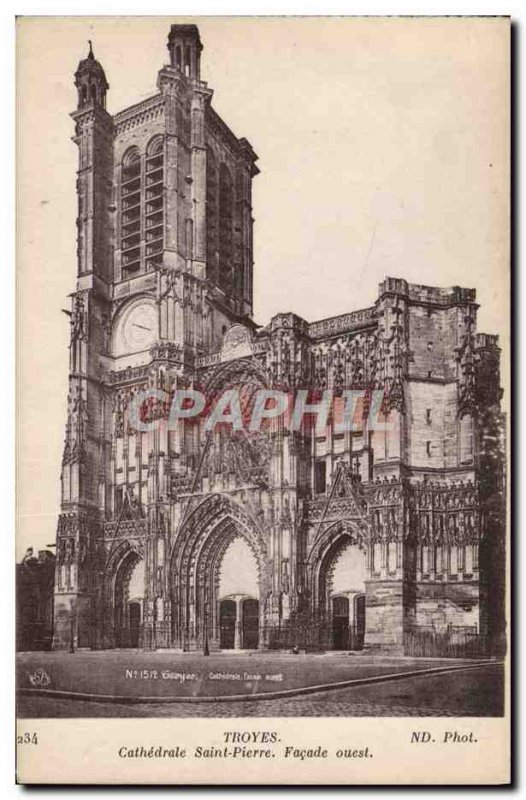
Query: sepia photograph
{"x": 264, "y": 377}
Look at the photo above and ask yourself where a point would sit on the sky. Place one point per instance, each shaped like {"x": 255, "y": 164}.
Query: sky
{"x": 383, "y": 150}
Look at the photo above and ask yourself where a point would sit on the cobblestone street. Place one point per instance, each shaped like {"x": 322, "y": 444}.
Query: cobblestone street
{"x": 474, "y": 692}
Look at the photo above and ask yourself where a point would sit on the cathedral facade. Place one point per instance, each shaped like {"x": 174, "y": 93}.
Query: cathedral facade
{"x": 408, "y": 515}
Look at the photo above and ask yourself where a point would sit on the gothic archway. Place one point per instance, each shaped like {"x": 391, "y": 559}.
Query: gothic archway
{"x": 121, "y": 625}
{"x": 195, "y": 567}
{"x": 126, "y": 620}
{"x": 236, "y": 374}
{"x": 328, "y": 602}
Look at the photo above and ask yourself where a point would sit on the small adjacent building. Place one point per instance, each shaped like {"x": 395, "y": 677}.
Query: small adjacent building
{"x": 35, "y": 583}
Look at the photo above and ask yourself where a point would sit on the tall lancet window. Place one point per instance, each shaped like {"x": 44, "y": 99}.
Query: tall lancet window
{"x": 131, "y": 212}
{"x": 154, "y": 208}
{"x": 226, "y": 212}
{"x": 212, "y": 231}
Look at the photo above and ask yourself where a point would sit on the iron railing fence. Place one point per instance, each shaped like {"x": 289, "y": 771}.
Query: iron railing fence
{"x": 453, "y": 642}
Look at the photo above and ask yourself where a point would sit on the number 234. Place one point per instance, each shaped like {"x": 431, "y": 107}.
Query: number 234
{"x": 27, "y": 738}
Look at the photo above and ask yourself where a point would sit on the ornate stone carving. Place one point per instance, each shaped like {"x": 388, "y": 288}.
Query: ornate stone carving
{"x": 79, "y": 319}
{"x": 167, "y": 351}
{"x": 341, "y": 324}
{"x": 466, "y": 362}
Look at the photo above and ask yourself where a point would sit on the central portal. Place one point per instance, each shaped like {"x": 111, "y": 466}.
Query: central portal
{"x": 238, "y": 598}
{"x": 239, "y": 623}
{"x": 218, "y": 577}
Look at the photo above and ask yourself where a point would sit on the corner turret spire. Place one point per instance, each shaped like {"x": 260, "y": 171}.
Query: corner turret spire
{"x": 91, "y": 82}
{"x": 184, "y": 46}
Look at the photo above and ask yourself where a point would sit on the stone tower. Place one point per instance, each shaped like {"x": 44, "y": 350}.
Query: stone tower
{"x": 165, "y": 264}
{"x": 83, "y": 476}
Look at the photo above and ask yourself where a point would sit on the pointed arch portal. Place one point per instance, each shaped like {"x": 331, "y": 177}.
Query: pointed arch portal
{"x": 199, "y": 612}
{"x": 337, "y": 576}
{"x": 128, "y": 600}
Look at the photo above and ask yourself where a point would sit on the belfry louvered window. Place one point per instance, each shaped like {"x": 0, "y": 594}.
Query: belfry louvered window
{"x": 142, "y": 209}
{"x": 131, "y": 212}
{"x": 154, "y": 206}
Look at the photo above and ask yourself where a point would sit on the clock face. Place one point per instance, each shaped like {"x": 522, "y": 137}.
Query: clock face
{"x": 137, "y": 329}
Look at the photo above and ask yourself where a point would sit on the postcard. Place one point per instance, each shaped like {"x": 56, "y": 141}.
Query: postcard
{"x": 263, "y": 400}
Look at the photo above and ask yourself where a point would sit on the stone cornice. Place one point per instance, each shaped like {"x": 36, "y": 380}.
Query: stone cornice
{"x": 420, "y": 294}
{"x": 128, "y": 375}
{"x": 332, "y": 326}
{"x": 137, "y": 114}
{"x": 90, "y": 113}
